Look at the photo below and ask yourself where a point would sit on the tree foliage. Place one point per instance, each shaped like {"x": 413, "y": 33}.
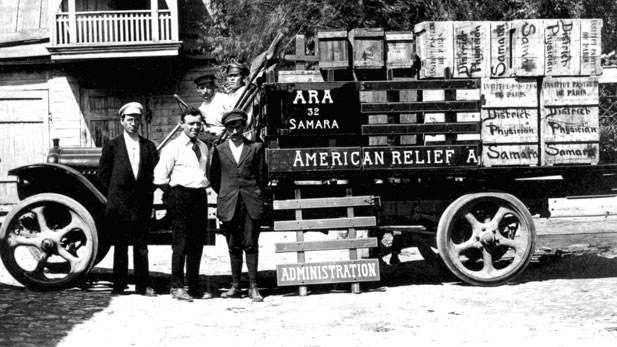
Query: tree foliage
{"x": 241, "y": 29}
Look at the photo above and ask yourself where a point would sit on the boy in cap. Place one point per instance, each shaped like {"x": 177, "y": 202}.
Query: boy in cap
{"x": 237, "y": 176}
{"x": 236, "y": 79}
{"x": 212, "y": 108}
{"x": 126, "y": 171}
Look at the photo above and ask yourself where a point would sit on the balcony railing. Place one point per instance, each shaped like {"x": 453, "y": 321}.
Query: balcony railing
{"x": 114, "y": 27}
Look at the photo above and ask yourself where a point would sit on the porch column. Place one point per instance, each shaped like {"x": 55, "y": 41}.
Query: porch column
{"x": 72, "y": 23}
{"x": 154, "y": 18}
{"x": 173, "y": 7}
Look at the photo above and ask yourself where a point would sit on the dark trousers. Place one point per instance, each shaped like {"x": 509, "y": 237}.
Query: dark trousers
{"x": 131, "y": 233}
{"x": 189, "y": 211}
{"x": 242, "y": 234}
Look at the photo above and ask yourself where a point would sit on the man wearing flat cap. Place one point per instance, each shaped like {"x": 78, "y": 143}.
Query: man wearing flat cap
{"x": 237, "y": 175}
{"x": 126, "y": 171}
{"x": 212, "y": 108}
{"x": 236, "y": 80}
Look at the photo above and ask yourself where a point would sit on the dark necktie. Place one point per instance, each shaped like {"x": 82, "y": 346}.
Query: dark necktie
{"x": 196, "y": 150}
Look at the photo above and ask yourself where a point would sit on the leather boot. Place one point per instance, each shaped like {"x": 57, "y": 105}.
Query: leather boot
{"x": 254, "y": 294}
{"x": 233, "y": 292}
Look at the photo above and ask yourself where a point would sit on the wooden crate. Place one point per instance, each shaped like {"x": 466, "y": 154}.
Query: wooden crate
{"x": 368, "y": 48}
{"x": 399, "y": 49}
{"x": 562, "y": 47}
{"x": 510, "y": 125}
{"x": 526, "y": 154}
{"x": 500, "y": 51}
{"x": 471, "y": 49}
{"x": 434, "y": 47}
{"x": 528, "y": 47}
{"x": 570, "y": 91}
{"x": 333, "y": 48}
{"x": 571, "y": 153}
{"x": 510, "y": 92}
{"x": 591, "y": 47}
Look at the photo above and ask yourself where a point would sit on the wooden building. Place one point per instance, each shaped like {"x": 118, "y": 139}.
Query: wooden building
{"x": 66, "y": 67}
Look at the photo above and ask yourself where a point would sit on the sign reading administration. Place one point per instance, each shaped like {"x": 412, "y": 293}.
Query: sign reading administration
{"x": 327, "y": 272}
{"x": 371, "y": 158}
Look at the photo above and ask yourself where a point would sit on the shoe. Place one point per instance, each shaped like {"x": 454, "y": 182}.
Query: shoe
{"x": 233, "y": 292}
{"x": 146, "y": 291}
{"x": 254, "y": 295}
{"x": 180, "y": 294}
{"x": 199, "y": 294}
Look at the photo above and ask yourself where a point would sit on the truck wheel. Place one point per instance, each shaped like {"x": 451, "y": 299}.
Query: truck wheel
{"x": 48, "y": 242}
{"x": 486, "y": 239}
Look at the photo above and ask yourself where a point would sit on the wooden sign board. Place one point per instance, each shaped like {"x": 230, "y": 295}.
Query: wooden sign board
{"x": 570, "y": 91}
{"x": 500, "y": 49}
{"x": 528, "y": 47}
{"x": 591, "y": 47}
{"x": 365, "y": 270}
{"x": 399, "y": 49}
{"x": 570, "y": 123}
{"x": 510, "y": 125}
{"x": 371, "y": 158}
{"x": 562, "y": 47}
{"x": 571, "y": 153}
{"x": 510, "y": 154}
{"x": 510, "y": 92}
{"x": 434, "y": 41}
{"x": 471, "y": 49}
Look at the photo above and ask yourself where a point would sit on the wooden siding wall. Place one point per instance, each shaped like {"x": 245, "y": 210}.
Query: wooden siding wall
{"x": 23, "y": 15}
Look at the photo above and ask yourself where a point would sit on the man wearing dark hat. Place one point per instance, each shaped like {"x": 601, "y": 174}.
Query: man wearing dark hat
{"x": 237, "y": 176}
{"x": 213, "y": 107}
{"x": 181, "y": 174}
{"x": 126, "y": 170}
{"x": 236, "y": 79}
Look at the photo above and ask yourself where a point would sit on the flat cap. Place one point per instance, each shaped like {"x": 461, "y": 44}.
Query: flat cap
{"x": 131, "y": 108}
{"x": 205, "y": 79}
{"x": 236, "y": 68}
{"x": 233, "y": 115}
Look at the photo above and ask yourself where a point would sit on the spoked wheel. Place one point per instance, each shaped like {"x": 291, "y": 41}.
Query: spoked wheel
{"x": 48, "y": 241}
{"x": 486, "y": 239}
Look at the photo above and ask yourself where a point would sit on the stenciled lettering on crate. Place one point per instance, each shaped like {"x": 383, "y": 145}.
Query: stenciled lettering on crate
{"x": 571, "y": 153}
{"x": 528, "y": 47}
{"x": 434, "y": 46}
{"x": 562, "y": 47}
{"x": 570, "y": 91}
{"x": 591, "y": 47}
{"x": 570, "y": 123}
{"x": 510, "y": 131}
{"x": 471, "y": 49}
{"x": 500, "y": 49}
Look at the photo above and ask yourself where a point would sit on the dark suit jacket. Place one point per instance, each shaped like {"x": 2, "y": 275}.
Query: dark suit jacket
{"x": 230, "y": 179}
{"x": 128, "y": 199}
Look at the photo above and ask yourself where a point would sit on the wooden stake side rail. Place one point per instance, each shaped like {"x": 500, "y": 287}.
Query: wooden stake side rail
{"x": 323, "y": 202}
{"x": 325, "y": 245}
{"x": 324, "y": 224}
{"x": 421, "y": 106}
{"x": 385, "y": 85}
{"x": 426, "y": 128}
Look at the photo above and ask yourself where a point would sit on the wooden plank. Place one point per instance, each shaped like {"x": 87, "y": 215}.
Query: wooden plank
{"x": 591, "y": 39}
{"x": 510, "y": 154}
{"x": 333, "y": 49}
{"x": 471, "y": 49}
{"x": 500, "y": 50}
{"x": 427, "y": 128}
{"x": 8, "y": 17}
{"x": 299, "y": 76}
{"x": 570, "y": 124}
{"x": 582, "y": 206}
{"x": 364, "y": 270}
{"x": 508, "y": 125}
{"x": 399, "y": 49}
{"x": 25, "y": 36}
{"x": 510, "y": 92}
{"x": 575, "y": 225}
{"x": 528, "y": 47}
{"x": 323, "y": 202}
{"x": 327, "y": 245}
{"x": 562, "y": 47}
{"x": 433, "y": 106}
{"x": 324, "y": 224}
{"x": 571, "y": 90}
{"x": 571, "y": 153}
{"x": 301, "y": 256}
{"x": 422, "y": 84}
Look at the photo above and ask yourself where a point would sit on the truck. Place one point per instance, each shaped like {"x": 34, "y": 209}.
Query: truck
{"x": 472, "y": 175}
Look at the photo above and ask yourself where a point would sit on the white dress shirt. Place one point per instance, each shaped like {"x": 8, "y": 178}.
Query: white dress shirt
{"x": 178, "y": 164}
{"x": 212, "y": 111}
{"x": 236, "y": 150}
{"x": 132, "y": 149}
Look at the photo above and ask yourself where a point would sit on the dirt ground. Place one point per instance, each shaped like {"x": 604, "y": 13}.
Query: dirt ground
{"x": 561, "y": 301}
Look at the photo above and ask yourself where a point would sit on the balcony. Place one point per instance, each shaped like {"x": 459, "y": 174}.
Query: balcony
{"x": 115, "y": 34}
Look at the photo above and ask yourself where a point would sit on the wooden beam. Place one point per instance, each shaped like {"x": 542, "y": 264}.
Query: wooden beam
{"x": 421, "y": 84}
{"x": 323, "y": 202}
{"x": 326, "y": 245}
{"x": 154, "y": 19}
{"x": 420, "y": 106}
{"x": 72, "y": 23}
{"x": 25, "y": 36}
{"x": 425, "y": 128}
{"x": 324, "y": 224}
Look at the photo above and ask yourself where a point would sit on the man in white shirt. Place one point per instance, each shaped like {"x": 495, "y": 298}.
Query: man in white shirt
{"x": 212, "y": 108}
{"x": 181, "y": 174}
{"x": 125, "y": 172}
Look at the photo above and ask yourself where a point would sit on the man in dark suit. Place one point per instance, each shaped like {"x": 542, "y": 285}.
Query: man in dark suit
{"x": 126, "y": 172}
{"x": 237, "y": 176}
